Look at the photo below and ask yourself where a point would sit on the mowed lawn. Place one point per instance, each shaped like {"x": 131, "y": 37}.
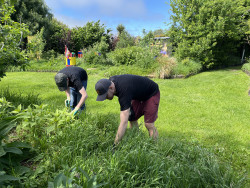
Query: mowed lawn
{"x": 211, "y": 108}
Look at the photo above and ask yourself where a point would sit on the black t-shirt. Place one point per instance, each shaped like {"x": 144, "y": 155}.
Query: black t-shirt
{"x": 132, "y": 87}
{"x": 76, "y": 76}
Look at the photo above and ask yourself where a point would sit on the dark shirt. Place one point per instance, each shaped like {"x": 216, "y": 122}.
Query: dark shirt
{"x": 132, "y": 87}
{"x": 76, "y": 76}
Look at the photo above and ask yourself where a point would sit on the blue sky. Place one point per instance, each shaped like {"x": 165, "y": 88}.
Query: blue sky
{"x": 135, "y": 15}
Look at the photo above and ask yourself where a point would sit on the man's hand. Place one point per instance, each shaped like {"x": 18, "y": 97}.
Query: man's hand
{"x": 75, "y": 111}
{"x": 67, "y": 102}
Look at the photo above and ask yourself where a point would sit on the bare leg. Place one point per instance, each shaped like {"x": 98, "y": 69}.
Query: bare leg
{"x": 133, "y": 124}
{"x": 152, "y": 130}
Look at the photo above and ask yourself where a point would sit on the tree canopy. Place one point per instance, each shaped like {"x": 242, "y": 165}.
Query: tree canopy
{"x": 208, "y": 31}
{"x": 11, "y": 36}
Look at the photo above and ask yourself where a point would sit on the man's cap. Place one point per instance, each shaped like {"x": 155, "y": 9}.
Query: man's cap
{"x": 102, "y": 87}
{"x": 61, "y": 81}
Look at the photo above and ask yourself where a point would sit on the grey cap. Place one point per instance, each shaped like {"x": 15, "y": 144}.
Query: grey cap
{"x": 61, "y": 81}
{"x": 102, "y": 87}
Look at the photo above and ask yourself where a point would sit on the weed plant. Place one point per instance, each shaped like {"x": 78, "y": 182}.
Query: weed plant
{"x": 138, "y": 161}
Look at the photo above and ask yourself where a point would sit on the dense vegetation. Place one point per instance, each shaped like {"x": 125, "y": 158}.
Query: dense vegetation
{"x": 203, "y": 120}
{"x": 196, "y": 147}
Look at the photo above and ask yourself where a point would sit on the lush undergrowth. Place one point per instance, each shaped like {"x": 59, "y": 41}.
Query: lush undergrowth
{"x": 64, "y": 144}
{"x": 143, "y": 64}
{"x": 203, "y": 125}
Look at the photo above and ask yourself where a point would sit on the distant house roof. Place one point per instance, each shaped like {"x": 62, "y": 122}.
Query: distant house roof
{"x": 159, "y": 38}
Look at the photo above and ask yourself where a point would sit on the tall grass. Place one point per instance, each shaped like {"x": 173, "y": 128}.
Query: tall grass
{"x": 17, "y": 98}
{"x": 138, "y": 161}
{"x": 203, "y": 124}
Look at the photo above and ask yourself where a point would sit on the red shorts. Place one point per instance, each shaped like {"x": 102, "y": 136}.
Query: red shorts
{"x": 147, "y": 108}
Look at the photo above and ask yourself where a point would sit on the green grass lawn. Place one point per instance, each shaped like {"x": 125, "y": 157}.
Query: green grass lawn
{"x": 211, "y": 108}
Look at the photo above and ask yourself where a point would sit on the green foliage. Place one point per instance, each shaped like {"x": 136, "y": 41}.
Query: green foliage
{"x": 134, "y": 55}
{"x": 178, "y": 159}
{"x": 11, "y": 152}
{"x": 86, "y": 36}
{"x": 11, "y": 37}
{"x": 120, "y": 28}
{"x": 36, "y": 45}
{"x": 147, "y": 39}
{"x": 125, "y": 40}
{"x": 246, "y": 67}
{"x": 75, "y": 175}
{"x": 34, "y": 13}
{"x": 210, "y": 31}
{"x": 57, "y": 35}
{"x": 171, "y": 68}
{"x": 187, "y": 67}
{"x": 17, "y": 98}
{"x": 137, "y": 161}
{"x": 124, "y": 69}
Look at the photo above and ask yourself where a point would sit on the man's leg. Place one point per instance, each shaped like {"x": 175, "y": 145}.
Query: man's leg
{"x": 152, "y": 130}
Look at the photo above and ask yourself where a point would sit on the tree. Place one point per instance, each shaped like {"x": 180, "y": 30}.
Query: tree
{"x": 92, "y": 32}
{"x": 57, "y": 36}
{"x": 36, "y": 45}
{"x": 125, "y": 40}
{"x": 10, "y": 40}
{"x": 34, "y": 13}
{"x": 147, "y": 39}
{"x": 209, "y": 31}
{"x": 120, "y": 28}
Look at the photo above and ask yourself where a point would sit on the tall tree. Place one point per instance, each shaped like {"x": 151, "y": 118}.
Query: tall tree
{"x": 87, "y": 35}
{"x": 34, "y": 13}
{"x": 209, "y": 31}
{"x": 120, "y": 28}
{"x": 57, "y": 36}
{"x": 10, "y": 39}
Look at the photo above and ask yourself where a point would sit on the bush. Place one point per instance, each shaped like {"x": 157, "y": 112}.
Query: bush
{"x": 170, "y": 67}
{"x": 187, "y": 67}
{"x": 246, "y": 67}
{"x": 166, "y": 66}
{"x": 97, "y": 54}
{"x": 123, "y": 69}
{"x": 141, "y": 57}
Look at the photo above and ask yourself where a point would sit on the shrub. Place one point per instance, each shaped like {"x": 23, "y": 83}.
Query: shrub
{"x": 170, "y": 67}
{"x": 166, "y": 66}
{"x": 12, "y": 153}
{"x": 97, "y": 54}
{"x": 141, "y": 57}
{"x": 187, "y": 67}
{"x": 246, "y": 67}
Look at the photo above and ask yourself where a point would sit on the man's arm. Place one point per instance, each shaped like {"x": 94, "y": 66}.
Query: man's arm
{"x": 123, "y": 125}
{"x": 83, "y": 98}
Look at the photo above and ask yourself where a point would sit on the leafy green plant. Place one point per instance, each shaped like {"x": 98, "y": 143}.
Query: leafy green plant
{"x": 11, "y": 152}
{"x": 11, "y": 37}
{"x": 77, "y": 178}
{"x": 246, "y": 67}
{"x": 36, "y": 45}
